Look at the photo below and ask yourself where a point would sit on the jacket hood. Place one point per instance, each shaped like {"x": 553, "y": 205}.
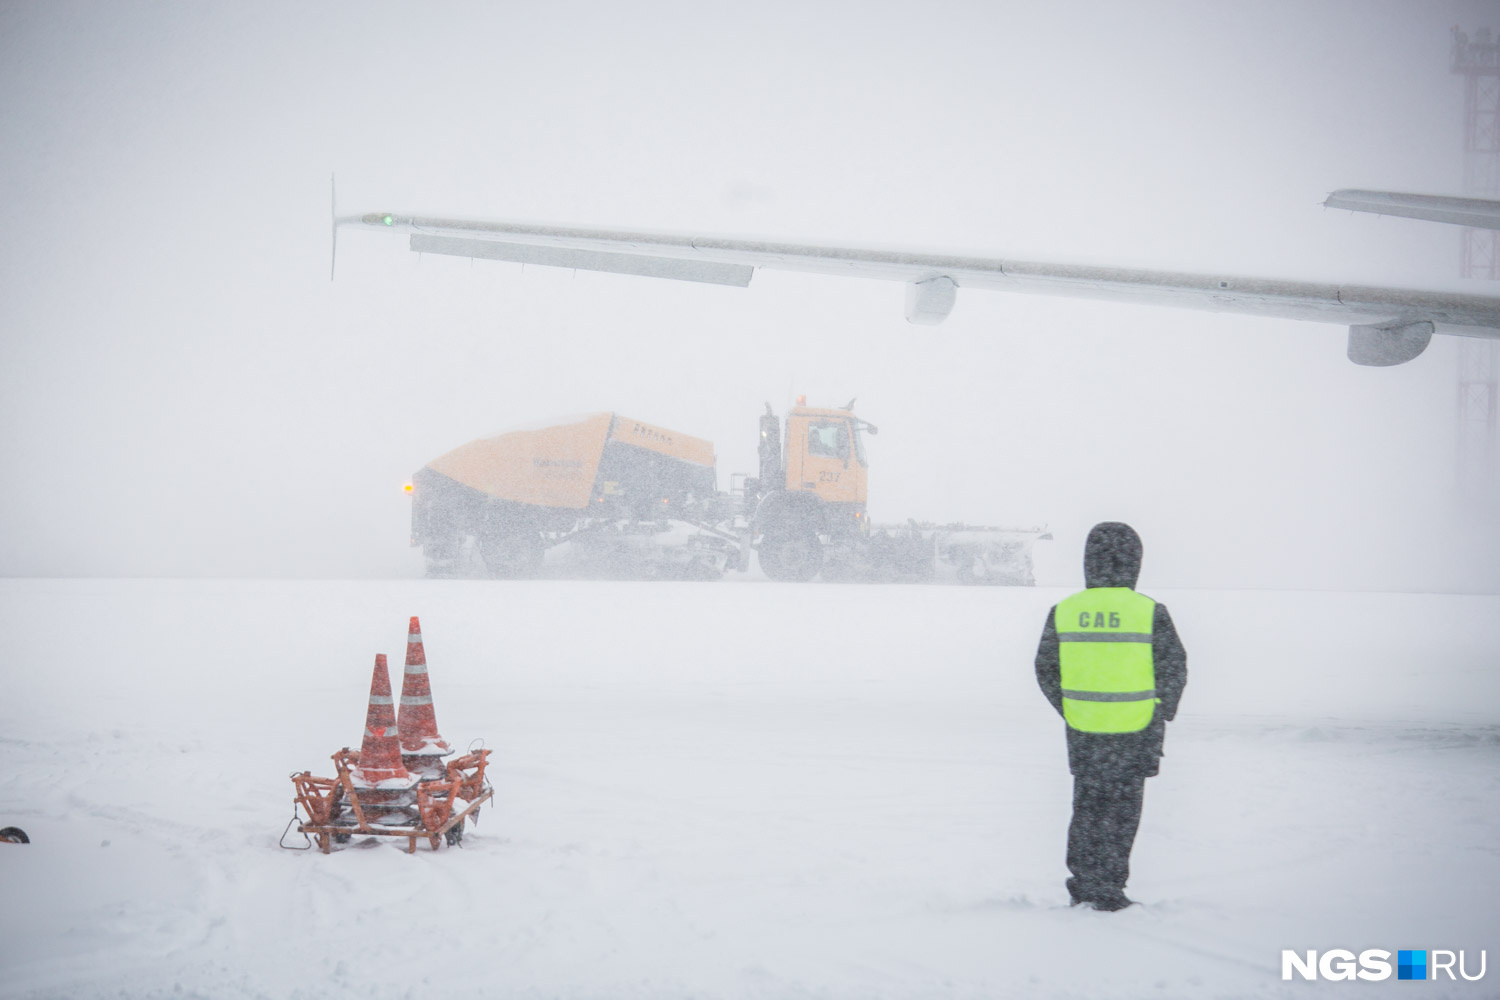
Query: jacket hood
{"x": 1112, "y": 556}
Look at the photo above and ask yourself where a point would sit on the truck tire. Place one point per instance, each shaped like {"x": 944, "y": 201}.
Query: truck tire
{"x": 511, "y": 555}
{"x": 791, "y": 557}
{"x": 440, "y": 556}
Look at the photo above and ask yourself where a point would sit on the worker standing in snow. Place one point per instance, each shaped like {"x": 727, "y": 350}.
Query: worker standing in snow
{"x": 1111, "y": 664}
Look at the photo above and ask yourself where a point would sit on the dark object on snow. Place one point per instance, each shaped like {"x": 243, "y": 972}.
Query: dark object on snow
{"x": 14, "y": 835}
{"x": 1110, "y": 769}
{"x": 1118, "y": 901}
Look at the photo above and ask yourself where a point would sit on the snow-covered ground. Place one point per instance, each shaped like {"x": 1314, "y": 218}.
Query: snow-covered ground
{"x": 732, "y": 790}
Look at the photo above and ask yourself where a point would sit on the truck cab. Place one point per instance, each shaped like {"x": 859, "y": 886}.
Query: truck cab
{"x": 813, "y": 487}
{"x": 826, "y": 456}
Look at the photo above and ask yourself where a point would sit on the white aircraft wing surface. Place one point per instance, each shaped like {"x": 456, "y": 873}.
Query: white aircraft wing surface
{"x": 1387, "y": 326}
{"x": 1479, "y": 213}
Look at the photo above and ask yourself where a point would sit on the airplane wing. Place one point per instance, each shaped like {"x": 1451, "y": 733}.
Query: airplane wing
{"x": 1387, "y": 326}
{"x": 1479, "y": 213}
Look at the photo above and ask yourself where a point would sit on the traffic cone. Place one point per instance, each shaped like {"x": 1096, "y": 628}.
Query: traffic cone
{"x": 380, "y": 764}
{"x": 422, "y": 747}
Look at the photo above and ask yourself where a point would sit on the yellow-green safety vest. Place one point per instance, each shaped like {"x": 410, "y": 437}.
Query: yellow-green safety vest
{"x": 1104, "y": 650}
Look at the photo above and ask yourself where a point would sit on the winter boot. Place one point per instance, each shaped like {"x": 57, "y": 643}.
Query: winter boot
{"x": 1112, "y": 901}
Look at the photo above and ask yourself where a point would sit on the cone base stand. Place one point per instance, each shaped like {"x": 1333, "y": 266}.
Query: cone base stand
{"x": 338, "y": 810}
{"x": 396, "y": 784}
{"x": 427, "y": 762}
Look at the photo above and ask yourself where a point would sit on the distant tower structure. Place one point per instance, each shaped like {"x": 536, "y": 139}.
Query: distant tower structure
{"x": 1478, "y": 59}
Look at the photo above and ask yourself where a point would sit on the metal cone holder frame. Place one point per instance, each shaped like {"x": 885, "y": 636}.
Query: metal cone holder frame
{"x": 338, "y": 810}
{"x": 431, "y": 805}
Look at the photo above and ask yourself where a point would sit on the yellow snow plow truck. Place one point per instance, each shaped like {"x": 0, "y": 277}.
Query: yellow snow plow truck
{"x": 607, "y": 495}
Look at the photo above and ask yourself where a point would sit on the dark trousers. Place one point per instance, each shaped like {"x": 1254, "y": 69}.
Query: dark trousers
{"x": 1106, "y": 813}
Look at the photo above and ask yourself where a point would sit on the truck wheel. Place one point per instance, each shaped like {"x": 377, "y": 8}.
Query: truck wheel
{"x": 921, "y": 571}
{"x": 511, "y": 554}
{"x": 441, "y": 557}
{"x": 837, "y": 572}
{"x": 791, "y": 558}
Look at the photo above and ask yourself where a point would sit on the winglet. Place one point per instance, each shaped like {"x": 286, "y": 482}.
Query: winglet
{"x": 1478, "y": 213}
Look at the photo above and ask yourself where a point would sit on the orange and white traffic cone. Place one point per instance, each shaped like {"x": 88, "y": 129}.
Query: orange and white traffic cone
{"x": 380, "y": 768}
{"x": 422, "y": 747}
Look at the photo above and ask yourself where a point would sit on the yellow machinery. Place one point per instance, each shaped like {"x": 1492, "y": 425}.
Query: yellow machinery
{"x": 813, "y": 486}
{"x": 810, "y": 516}
{"x": 631, "y": 499}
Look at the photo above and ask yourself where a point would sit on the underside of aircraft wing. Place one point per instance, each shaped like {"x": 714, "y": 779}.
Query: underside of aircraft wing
{"x": 1479, "y": 213}
{"x": 1387, "y": 326}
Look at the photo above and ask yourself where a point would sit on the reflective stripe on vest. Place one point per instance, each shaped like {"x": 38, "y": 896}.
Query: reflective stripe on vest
{"x": 1104, "y": 652}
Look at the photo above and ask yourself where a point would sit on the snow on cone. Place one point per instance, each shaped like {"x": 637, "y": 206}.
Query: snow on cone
{"x": 380, "y": 764}
{"x": 422, "y": 745}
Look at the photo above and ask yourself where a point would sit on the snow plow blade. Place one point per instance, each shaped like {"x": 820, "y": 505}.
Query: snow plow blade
{"x": 974, "y": 554}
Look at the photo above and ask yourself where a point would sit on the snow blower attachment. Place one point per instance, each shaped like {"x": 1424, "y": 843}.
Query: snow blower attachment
{"x": 396, "y": 784}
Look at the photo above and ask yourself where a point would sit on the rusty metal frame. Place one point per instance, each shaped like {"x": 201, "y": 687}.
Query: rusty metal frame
{"x": 320, "y": 798}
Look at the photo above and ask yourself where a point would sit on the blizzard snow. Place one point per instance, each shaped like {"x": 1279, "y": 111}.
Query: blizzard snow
{"x": 731, "y": 790}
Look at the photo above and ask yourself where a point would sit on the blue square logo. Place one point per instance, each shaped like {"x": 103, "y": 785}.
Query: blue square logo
{"x": 1411, "y": 965}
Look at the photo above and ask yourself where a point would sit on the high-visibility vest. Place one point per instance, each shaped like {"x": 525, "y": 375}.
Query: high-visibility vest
{"x": 1104, "y": 650}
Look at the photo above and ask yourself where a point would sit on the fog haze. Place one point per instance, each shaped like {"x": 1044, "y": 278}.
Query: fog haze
{"x": 184, "y": 392}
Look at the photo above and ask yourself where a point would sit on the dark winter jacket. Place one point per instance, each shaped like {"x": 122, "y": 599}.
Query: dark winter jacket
{"x": 1112, "y": 558}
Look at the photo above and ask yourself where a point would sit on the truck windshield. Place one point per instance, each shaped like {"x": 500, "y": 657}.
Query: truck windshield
{"x": 830, "y": 440}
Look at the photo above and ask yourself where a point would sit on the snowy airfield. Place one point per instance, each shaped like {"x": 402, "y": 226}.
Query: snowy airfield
{"x": 732, "y": 790}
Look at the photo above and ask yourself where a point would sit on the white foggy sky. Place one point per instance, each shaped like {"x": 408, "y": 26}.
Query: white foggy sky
{"x": 184, "y": 392}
